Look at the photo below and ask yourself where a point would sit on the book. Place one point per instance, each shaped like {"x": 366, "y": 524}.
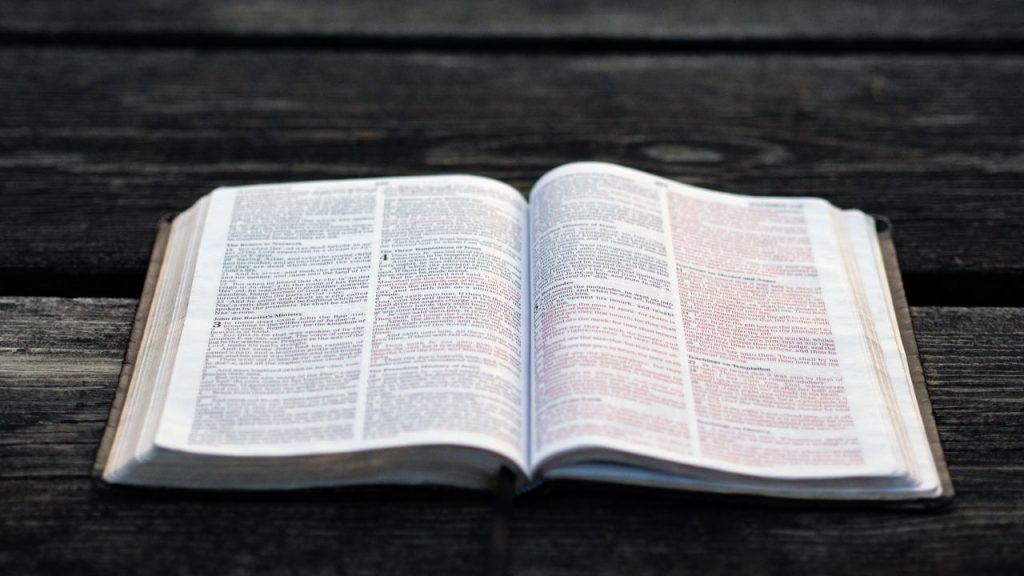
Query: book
{"x": 618, "y": 327}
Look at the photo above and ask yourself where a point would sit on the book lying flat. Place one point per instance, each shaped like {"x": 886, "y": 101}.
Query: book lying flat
{"x": 620, "y": 327}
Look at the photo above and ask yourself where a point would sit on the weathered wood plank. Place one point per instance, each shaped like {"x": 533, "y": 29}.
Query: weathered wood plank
{"x": 96, "y": 145}
{"x": 604, "y": 19}
{"x": 58, "y": 368}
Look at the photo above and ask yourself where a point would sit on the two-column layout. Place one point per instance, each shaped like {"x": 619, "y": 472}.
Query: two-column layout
{"x": 687, "y": 327}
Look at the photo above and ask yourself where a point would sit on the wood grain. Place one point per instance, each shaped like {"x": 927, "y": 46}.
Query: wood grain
{"x": 601, "y": 20}
{"x": 96, "y": 145}
{"x": 58, "y": 367}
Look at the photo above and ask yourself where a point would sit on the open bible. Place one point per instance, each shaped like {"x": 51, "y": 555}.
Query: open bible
{"x": 620, "y": 327}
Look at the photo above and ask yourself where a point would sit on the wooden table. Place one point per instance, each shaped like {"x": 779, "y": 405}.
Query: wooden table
{"x": 115, "y": 113}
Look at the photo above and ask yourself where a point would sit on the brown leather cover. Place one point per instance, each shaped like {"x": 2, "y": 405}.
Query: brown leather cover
{"x": 134, "y": 341}
{"x": 899, "y": 300}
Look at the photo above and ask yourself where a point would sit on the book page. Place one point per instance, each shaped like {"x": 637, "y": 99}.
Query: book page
{"x": 349, "y": 315}
{"x": 876, "y": 288}
{"x": 699, "y": 328}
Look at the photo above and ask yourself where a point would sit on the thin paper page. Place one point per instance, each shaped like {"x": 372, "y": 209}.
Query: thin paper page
{"x": 335, "y": 316}
{"x": 700, "y": 328}
{"x": 872, "y": 269}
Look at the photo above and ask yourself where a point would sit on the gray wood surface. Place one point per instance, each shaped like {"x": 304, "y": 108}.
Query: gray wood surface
{"x": 988, "y": 21}
{"x": 115, "y": 113}
{"x": 59, "y": 360}
{"x": 97, "y": 144}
